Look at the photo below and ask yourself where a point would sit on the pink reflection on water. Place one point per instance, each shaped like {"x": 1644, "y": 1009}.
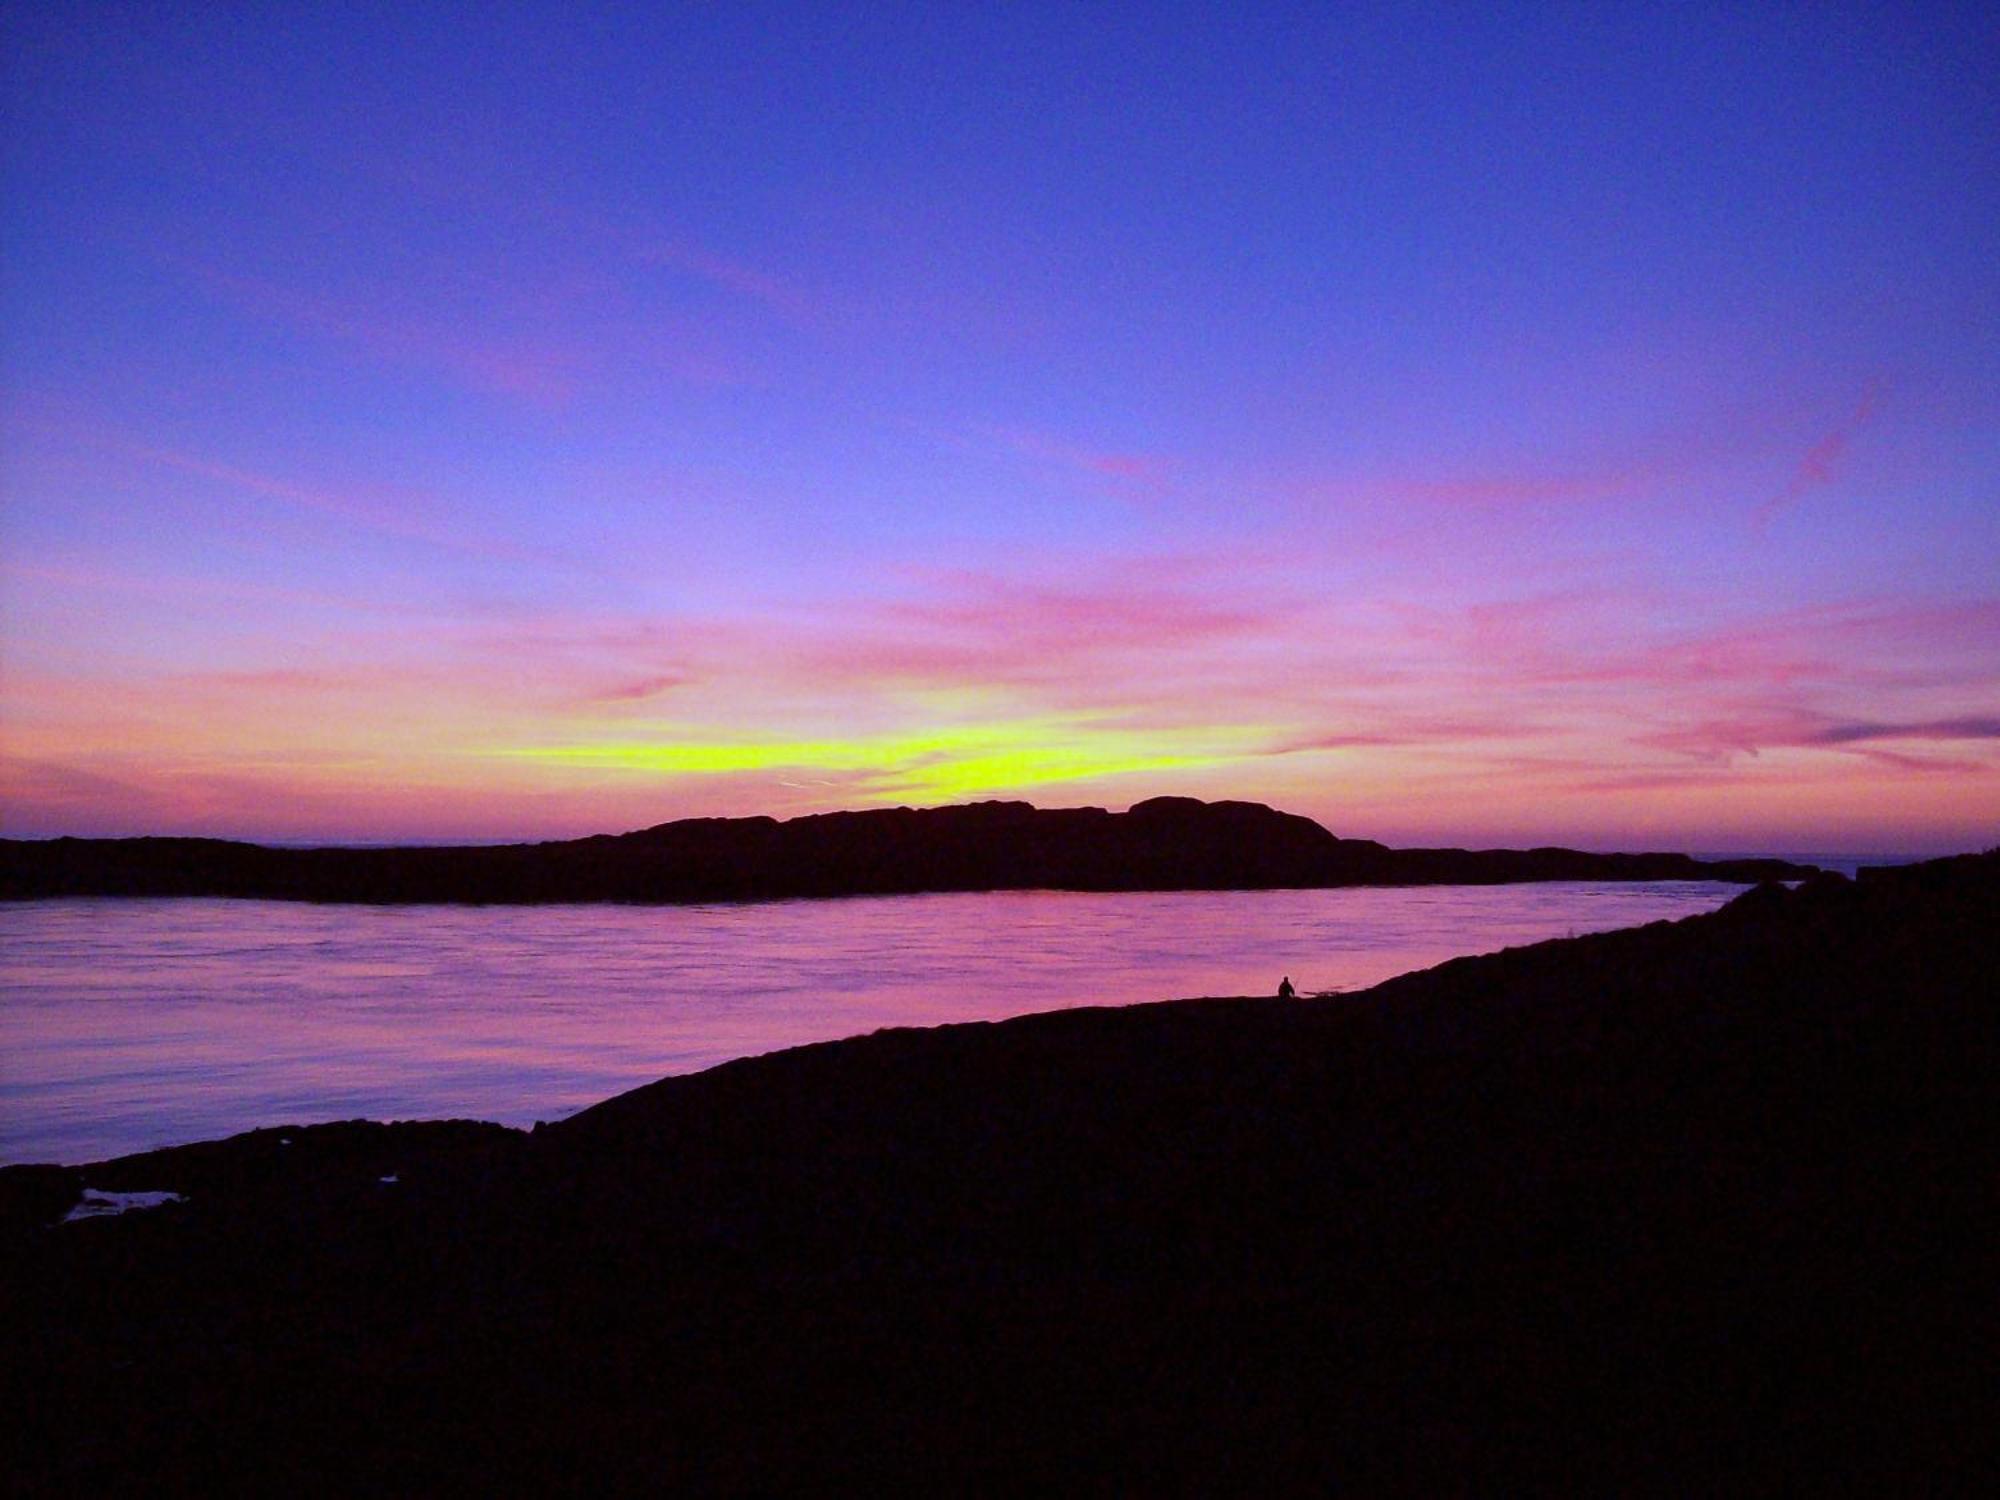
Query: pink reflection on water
{"x": 131, "y": 1024}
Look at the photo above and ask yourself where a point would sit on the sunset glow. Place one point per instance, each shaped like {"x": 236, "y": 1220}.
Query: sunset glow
{"x": 538, "y": 437}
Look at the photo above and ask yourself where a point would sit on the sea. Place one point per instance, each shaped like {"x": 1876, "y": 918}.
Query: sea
{"x": 130, "y": 1024}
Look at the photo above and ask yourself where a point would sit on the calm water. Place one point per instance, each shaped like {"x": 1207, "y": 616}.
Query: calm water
{"x": 130, "y": 1024}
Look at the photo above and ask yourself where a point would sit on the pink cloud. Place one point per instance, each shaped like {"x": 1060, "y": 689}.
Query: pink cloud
{"x": 1108, "y": 642}
{"x": 180, "y": 589}
{"x": 1483, "y": 492}
{"x": 1129, "y": 473}
{"x": 992, "y": 610}
{"x": 1499, "y": 486}
{"x": 392, "y": 520}
{"x": 1753, "y": 728}
{"x": 774, "y": 293}
{"x": 1821, "y": 462}
{"x": 289, "y": 679}
{"x": 643, "y": 690}
{"x": 391, "y": 510}
{"x": 1931, "y": 765}
{"x": 1584, "y": 638}
{"x": 1719, "y": 737}
{"x": 1646, "y": 781}
{"x": 1725, "y": 657}
{"x": 1695, "y": 462}
{"x": 1971, "y": 727}
{"x": 42, "y": 798}
{"x": 543, "y": 373}
{"x": 1392, "y": 731}
{"x": 1125, "y": 474}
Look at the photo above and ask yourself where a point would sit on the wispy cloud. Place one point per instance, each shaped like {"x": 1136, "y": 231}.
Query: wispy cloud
{"x": 994, "y": 612}
{"x": 1820, "y": 465}
{"x": 1394, "y": 731}
{"x": 543, "y": 372}
{"x": 191, "y": 590}
{"x": 1491, "y": 491}
{"x": 1754, "y": 727}
{"x": 774, "y": 293}
{"x": 1929, "y": 765}
{"x": 386, "y": 519}
{"x": 643, "y": 690}
{"x": 1130, "y": 474}
{"x": 1973, "y": 727}
{"x": 1124, "y": 474}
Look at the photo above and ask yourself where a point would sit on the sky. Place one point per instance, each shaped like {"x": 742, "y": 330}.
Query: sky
{"x": 1460, "y": 424}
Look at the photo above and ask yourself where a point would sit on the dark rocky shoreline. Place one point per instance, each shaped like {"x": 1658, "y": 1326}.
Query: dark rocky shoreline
{"x": 1168, "y": 843}
{"x": 1703, "y": 1204}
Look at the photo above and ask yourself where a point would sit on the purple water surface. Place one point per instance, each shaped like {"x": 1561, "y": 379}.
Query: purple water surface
{"x": 131, "y": 1024}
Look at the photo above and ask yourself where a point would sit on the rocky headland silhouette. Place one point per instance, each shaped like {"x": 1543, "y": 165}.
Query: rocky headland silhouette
{"x": 1167, "y": 843}
{"x": 1697, "y": 1206}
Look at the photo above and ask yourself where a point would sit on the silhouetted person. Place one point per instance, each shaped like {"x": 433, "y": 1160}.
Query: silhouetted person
{"x": 1285, "y": 990}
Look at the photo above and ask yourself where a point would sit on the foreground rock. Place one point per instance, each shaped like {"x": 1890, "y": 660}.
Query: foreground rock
{"x": 1169, "y": 843}
{"x": 1695, "y": 1206}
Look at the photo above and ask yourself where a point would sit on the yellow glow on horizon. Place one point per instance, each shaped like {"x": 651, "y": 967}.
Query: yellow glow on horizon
{"x": 935, "y": 766}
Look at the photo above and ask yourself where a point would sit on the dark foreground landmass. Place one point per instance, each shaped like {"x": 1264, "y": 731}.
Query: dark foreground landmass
{"x": 1169, "y": 843}
{"x": 1696, "y": 1207}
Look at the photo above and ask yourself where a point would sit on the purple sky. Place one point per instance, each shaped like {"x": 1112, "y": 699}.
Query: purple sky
{"x": 1457, "y": 423}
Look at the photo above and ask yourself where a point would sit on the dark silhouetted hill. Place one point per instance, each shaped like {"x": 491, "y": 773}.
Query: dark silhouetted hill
{"x": 1701, "y": 1207}
{"x": 1168, "y": 843}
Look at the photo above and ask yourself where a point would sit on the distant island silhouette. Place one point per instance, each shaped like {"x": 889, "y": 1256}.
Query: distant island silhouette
{"x": 1166, "y": 843}
{"x": 1696, "y": 1207}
